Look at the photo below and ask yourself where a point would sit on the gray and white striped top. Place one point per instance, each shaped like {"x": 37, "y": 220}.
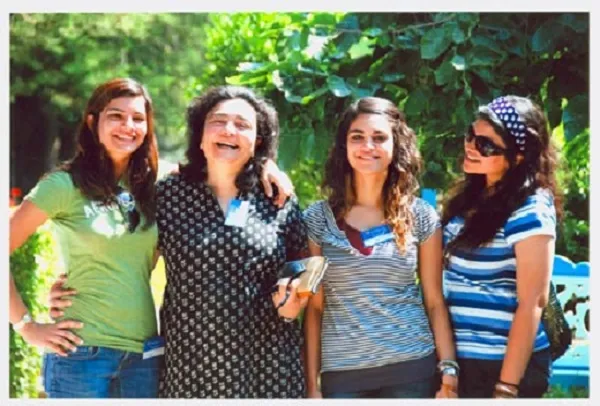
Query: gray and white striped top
{"x": 374, "y": 313}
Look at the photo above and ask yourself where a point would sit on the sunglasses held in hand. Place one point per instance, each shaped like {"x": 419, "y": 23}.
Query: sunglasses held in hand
{"x": 309, "y": 270}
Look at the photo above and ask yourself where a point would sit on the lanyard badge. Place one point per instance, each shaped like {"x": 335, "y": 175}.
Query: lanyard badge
{"x": 153, "y": 347}
{"x": 376, "y": 235}
{"x": 237, "y": 213}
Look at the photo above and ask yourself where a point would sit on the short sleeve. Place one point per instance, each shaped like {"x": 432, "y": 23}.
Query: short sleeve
{"x": 315, "y": 221}
{"x": 295, "y": 232}
{"x": 537, "y": 216}
{"x": 53, "y": 194}
{"x": 426, "y": 220}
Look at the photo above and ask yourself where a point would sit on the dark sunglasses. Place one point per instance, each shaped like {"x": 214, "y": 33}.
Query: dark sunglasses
{"x": 483, "y": 144}
{"x": 126, "y": 203}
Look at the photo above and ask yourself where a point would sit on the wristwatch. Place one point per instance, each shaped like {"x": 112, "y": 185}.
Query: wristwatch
{"x": 450, "y": 371}
{"x": 21, "y": 323}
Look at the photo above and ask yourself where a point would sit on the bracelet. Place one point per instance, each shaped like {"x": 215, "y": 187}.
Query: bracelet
{"x": 447, "y": 363}
{"x": 505, "y": 391}
{"x": 514, "y": 385}
{"x": 287, "y": 319}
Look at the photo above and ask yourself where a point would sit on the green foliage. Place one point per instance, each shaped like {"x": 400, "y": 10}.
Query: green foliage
{"x": 438, "y": 67}
{"x": 557, "y": 391}
{"x": 32, "y": 266}
{"x": 307, "y": 177}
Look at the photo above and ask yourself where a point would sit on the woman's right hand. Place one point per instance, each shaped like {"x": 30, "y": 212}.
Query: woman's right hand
{"x": 56, "y": 337}
{"x": 58, "y": 298}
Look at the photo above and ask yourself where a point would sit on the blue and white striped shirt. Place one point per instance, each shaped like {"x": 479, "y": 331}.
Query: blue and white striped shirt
{"x": 374, "y": 313}
{"x": 480, "y": 284}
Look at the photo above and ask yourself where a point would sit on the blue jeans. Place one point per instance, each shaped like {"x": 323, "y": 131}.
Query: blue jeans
{"x": 409, "y": 390}
{"x": 100, "y": 372}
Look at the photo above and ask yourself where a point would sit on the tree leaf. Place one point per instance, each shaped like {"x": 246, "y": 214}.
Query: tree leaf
{"x": 292, "y": 98}
{"x": 345, "y": 41}
{"x": 576, "y": 116}
{"x": 444, "y": 73}
{"x": 319, "y": 92}
{"x": 338, "y": 86}
{"x": 350, "y": 22}
{"x": 392, "y": 77}
{"x": 482, "y": 56}
{"x": 487, "y": 42}
{"x": 434, "y": 43}
{"x": 249, "y": 66}
{"x": 362, "y": 49}
{"x": 579, "y": 23}
{"x": 484, "y": 74}
{"x": 458, "y": 62}
{"x": 416, "y": 103}
{"x": 373, "y": 32}
{"x": 544, "y": 39}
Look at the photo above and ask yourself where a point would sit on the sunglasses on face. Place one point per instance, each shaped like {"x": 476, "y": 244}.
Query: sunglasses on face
{"x": 484, "y": 145}
{"x": 126, "y": 203}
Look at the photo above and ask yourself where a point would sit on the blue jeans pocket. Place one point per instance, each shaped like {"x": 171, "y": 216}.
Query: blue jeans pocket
{"x": 82, "y": 374}
{"x": 84, "y": 353}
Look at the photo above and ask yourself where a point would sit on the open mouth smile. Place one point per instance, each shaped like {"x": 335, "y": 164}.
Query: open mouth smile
{"x": 222, "y": 145}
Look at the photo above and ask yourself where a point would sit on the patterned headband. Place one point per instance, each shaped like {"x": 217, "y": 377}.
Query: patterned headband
{"x": 507, "y": 113}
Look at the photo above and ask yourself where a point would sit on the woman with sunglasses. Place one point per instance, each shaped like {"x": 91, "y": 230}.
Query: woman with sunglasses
{"x": 101, "y": 205}
{"x": 371, "y": 330}
{"x": 499, "y": 231}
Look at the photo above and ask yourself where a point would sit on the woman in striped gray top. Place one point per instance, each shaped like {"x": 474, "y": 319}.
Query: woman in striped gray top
{"x": 369, "y": 330}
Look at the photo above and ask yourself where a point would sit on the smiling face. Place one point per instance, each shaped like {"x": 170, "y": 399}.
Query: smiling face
{"x": 370, "y": 144}
{"x": 493, "y": 166}
{"x": 229, "y": 134}
{"x": 122, "y": 126}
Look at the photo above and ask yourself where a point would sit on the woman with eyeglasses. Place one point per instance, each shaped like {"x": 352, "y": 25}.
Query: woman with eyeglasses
{"x": 371, "y": 330}
{"x": 499, "y": 232}
{"x": 101, "y": 205}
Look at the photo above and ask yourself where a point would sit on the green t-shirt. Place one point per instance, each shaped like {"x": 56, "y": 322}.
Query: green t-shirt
{"x": 109, "y": 266}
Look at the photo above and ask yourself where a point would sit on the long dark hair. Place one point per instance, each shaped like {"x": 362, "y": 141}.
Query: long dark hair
{"x": 486, "y": 210}
{"x": 402, "y": 179}
{"x": 92, "y": 168}
{"x": 267, "y": 131}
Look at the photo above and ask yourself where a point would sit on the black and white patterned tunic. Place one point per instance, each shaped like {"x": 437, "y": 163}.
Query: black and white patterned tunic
{"x": 223, "y": 335}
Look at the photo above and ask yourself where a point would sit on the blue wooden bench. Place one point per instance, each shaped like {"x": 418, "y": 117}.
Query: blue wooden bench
{"x": 572, "y": 286}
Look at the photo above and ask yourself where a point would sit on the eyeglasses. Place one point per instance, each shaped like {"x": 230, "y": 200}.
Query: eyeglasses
{"x": 126, "y": 202}
{"x": 483, "y": 144}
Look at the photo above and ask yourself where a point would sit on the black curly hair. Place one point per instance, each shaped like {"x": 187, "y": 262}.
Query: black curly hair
{"x": 267, "y": 131}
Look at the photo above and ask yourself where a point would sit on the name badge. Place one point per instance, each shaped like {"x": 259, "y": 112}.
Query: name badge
{"x": 153, "y": 347}
{"x": 376, "y": 235}
{"x": 237, "y": 213}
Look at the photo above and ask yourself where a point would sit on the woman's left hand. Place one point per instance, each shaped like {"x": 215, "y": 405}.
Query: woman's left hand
{"x": 272, "y": 174}
{"x": 449, "y": 388}
{"x": 294, "y": 303}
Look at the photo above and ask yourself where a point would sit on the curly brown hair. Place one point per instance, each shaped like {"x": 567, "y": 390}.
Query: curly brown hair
{"x": 487, "y": 210}
{"x": 92, "y": 168}
{"x": 401, "y": 182}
